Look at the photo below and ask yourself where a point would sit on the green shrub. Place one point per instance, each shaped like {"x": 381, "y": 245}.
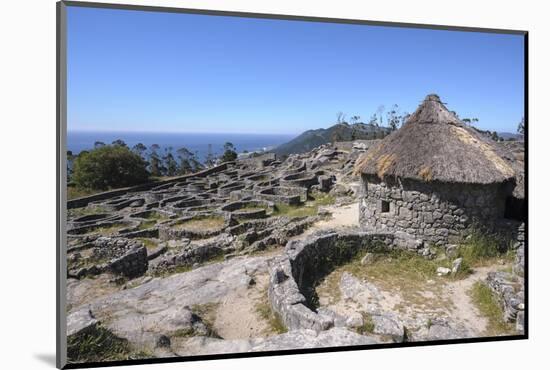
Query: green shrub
{"x": 481, "y": 248}
{"x": 110, "y": 166}
{"x": 488, "y": 305}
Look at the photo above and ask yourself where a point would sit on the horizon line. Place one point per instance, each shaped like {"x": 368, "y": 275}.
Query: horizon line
{"x": 177, "y": 132}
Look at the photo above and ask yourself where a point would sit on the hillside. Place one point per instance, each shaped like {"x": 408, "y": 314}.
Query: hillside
{"x": 340, "y": 132}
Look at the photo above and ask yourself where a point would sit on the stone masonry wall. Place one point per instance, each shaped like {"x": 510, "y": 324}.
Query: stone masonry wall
{"x": 433, "y": 212}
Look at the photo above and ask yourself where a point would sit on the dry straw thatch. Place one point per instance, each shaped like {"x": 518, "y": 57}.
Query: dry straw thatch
{"x": 434, "y": 145}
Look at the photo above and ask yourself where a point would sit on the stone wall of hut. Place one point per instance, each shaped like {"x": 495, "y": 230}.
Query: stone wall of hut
{"x": 434, "y": 212}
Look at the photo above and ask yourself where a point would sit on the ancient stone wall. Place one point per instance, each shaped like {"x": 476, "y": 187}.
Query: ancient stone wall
{"x": 293, "y": 278}
{"x": 433, "y": 212}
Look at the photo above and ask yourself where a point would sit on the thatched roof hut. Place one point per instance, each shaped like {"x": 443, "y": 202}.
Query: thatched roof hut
{"x": 434, "y": 145}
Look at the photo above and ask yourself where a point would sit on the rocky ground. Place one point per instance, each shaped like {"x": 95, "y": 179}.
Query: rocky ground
{"x": 191, "y": 267}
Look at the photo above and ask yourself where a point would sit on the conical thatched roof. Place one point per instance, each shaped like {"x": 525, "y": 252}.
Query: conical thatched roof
{"x": 434, "y": 145}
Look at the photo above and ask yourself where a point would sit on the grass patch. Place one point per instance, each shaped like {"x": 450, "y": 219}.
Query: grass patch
{"x": 156, "y": 216}
{"x": 99, "y": 344}
{"x": 322, "y": 199}
{"x": 403, "y": 272}
{"x": 483, "y": 250}
{"x": 488, "y": 305}
{"x": 207, "y": 223}
{"x": 146, "y": 225}
{"x": 85, "y": 211}
{"x": 108, "y": 230}
{"x": 295, "y": 211}
{"x": 74, "y": 192}
{"x": 148, "y": 243}
{"x": 272, "y": 318}
{"x": 310, "y": 208}
{"x": 183, "y": 333}
{"x": 368, "y": 324}
{"x": 207, "y": 312}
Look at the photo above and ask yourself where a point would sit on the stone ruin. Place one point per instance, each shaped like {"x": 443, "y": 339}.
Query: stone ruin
{"x": 233, "y": 210}
{"x": 227, "y": 210}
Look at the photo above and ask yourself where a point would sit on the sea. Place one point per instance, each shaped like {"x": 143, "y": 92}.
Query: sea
{"x": 78, "y": 141}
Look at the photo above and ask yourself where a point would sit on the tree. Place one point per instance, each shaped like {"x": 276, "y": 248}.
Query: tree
{"x": 468, "y": 121}
{"x": 521, "y": 126}
{"x": 184, "y": 156}
{"x": 393, "y": 118}
{"x": 405, "y": 118}
{"x": 354, "y": 119}
{"x": 380, "y": 112}
{"x": 340, "y": 118}
{"x": 70, "y": 160}
{"x": 109, "y": 166}
{"x": 229, "y": 152}
{"x": 195, "y": 163}
{"x": 170, "y": 163}
{"x": 139, "y": 149}
{"x": 119, "y": 142}
{"x": 99, "y": 144}
{"x": 210, "y": 159}
{"x": 373, "y": 120}
{"x": 155, "y": 164}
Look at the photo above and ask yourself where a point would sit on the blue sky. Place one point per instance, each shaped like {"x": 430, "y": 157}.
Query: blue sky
{"x": 148, "y": 71}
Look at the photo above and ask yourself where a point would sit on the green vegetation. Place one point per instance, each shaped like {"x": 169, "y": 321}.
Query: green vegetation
{"x": 74, "y": 192}
{"x": 206, "y": 223}
{"x": 272, "y": 318}
{"x": 148, "y": 243}
{"x": 109, "y": 166}
{"x": 99, "y": 344}
{"x": 207, "y": 312}
{"x": 108, "y": 229}
{"x": 229, "y": 152}
{"x": 156, "y": 216}
{"x": 368, "y": 324}
{"x": 400, "y": 271}
{"x": 146, "y": 225}
{"x": 310, "y": 208}
{"x": 183, "y": 333}
{"x": 481, "y": 250}
{"x": 488, "y": 305}
{"x": 322, "y": 199}
{"x": 84, "y": 211}
{"x": 294, "y": 211}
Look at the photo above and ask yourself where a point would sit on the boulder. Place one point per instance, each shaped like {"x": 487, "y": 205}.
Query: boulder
{"x": 457, "y": 265}
{"x": 368, "y": 259}
{"x": 389, "y": 324}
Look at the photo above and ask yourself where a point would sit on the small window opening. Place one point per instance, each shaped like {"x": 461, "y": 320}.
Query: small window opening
{"x": 385, "y": 206}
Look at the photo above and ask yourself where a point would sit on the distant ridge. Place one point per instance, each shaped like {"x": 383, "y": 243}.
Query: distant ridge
{"x": 311, "y": 139}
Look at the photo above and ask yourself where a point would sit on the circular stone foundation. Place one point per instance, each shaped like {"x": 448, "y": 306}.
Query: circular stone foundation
{"x": 300, "y": 179}
{"x": 194, "y": 227}
{"x": 246, "y": 210}
{"x": 104, "y": 228}
{"x": 293, "y": 279}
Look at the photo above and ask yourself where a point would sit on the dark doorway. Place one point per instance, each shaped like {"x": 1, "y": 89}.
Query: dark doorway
{"x": 515, "y": 209}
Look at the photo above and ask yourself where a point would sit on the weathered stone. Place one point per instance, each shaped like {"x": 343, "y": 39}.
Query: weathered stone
{"x": 80, "y": 321}
{"x": 457, "y": 265}
{"x": 367, "y": 259}
{"x": 389, "y": 324}
{"x": 451, "y": 251}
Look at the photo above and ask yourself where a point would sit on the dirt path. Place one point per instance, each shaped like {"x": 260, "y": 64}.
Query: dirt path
{"x": 236, "y": 315}
{"x": 345, "y": 216}
{"x": 459, "y": 293}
